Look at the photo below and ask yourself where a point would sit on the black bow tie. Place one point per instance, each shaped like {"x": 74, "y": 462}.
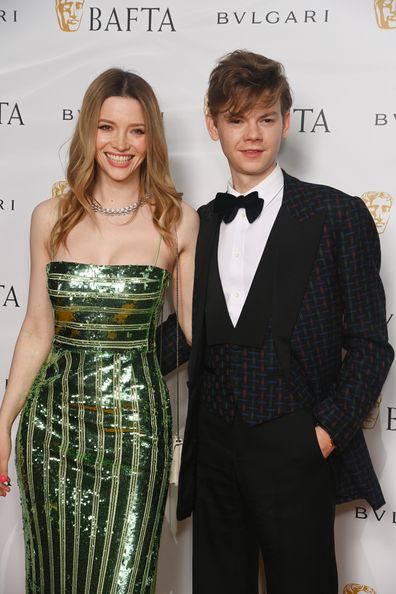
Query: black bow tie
{"x": 228, "y": 205}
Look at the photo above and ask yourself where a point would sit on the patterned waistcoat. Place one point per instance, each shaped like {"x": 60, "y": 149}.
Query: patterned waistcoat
{"x": 241, "y": 365}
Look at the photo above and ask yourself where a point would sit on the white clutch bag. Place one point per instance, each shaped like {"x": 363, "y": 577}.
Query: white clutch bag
{"x": 177, "y": 444}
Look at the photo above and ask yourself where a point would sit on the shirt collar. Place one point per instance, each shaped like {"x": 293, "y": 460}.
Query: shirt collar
{"x": 267, "y": 189}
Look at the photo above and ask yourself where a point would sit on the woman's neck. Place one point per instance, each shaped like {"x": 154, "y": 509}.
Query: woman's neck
{"x": 111, "y": 193}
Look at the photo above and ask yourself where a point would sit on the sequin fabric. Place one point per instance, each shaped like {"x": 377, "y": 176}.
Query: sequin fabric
{"x": 94, "y": 439}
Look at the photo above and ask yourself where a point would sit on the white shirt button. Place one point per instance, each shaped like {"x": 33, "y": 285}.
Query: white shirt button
{"x": 236, "y": 254}
{"x": 236, "y": 295}
{"x": 243, "y": 214}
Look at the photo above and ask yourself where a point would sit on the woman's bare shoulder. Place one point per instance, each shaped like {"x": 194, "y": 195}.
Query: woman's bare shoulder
{"x": 188, "y": 225}
{"x": 189, "y": 216}
{"x": 47, "y": 211}
{"x": 46, "y": 208}
{"x": 44, "y": 217}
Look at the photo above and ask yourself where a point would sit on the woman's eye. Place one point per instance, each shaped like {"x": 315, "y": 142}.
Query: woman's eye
{"x": 138, "y": 131}
{"x": 104, "y": 127}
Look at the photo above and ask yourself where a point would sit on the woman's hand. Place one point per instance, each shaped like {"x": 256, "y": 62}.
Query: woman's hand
{"x": 5, "y": 452}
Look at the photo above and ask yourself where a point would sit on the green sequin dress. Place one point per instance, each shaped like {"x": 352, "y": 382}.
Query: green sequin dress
{"x": 94, "y": 439}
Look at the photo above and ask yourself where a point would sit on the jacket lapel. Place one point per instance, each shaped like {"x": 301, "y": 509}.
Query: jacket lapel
{"x": 206, "y": 242}
{"x": 298, "y": 236}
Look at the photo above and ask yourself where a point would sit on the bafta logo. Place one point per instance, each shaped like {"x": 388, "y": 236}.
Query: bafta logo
{"x": 59, "y": 188}
{"x": 371, "y": 419}
{"x": 358, "y": 589}
{"x": 69, "y": 14}
{"x": 379, "y": 204}
{"x": 385, "y": 12}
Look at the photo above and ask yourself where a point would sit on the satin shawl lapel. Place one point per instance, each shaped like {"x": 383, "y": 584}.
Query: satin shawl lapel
{"x": 209, "y": 228}
{"x": 299, "y": 232}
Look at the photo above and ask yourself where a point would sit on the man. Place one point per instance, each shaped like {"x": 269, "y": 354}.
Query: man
{"x": 287, "y": 276}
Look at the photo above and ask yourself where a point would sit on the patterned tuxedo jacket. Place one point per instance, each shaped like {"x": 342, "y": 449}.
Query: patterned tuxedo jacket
{"x": 328, "y": 326}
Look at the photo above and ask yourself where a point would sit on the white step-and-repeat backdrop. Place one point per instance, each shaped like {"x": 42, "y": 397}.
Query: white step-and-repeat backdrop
{"x": 340, "y": 58}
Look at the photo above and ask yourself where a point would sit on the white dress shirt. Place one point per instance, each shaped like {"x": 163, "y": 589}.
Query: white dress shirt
{"x": 241, "y": 244}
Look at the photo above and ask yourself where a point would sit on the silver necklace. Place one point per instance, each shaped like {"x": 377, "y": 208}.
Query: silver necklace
{"x": 114, "y": 212}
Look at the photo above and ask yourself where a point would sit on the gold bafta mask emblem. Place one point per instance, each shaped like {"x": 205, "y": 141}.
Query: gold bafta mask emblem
{"x": 385, "y": 12}
{"x": 69, "y": 14}
{"x": 59, "y": 188}
{"x": 358, "y": 589}
{"x": 371, "y": 419}
{"x": 379, "y": 204}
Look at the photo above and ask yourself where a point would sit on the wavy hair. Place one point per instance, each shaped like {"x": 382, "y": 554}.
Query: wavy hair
{"x": 155, "y": 177}
{"x": 241, "y": 79}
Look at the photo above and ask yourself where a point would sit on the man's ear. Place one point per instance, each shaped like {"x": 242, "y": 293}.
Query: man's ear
{"x": 211, "y": 126}
{"x": 286, "y": 124}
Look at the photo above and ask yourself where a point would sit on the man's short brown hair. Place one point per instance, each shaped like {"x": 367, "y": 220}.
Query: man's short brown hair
{"x": 241, "y": 79}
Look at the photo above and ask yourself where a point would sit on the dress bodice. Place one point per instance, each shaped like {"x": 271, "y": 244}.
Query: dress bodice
{"x": 106, "y": 307}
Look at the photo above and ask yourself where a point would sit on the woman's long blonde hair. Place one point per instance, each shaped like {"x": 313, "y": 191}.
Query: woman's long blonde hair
{"x": 155, "y": 177}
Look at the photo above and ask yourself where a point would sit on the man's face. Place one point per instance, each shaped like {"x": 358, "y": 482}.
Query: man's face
{"x": 250, "y": 142}
{"x": 69, "y": 14}
{"x": 385, "y": 11}
{"x": 379, "y": 204}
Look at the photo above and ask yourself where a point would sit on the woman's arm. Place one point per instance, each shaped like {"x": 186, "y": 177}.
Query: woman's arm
{"x": 187, "y": 233}
{"x": 35, "y": 336}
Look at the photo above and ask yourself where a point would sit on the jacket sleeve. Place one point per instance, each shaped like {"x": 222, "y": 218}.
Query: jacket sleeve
{"x": 368, "y": 355}
{"x": 166, "y": 340}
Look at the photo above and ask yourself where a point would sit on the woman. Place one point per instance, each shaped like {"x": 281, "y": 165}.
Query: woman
{"x": 93, "y": 445}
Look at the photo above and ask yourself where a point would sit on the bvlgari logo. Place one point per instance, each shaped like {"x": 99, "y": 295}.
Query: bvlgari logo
{"x": 358, "y": 589}
{"x": 379, "y": 204}
{"x": 385, "y": 12}
{"x": 372, "y": 418}
{"x": 59, "y": 188}
{"x": 272, "y": 17}
{"x": 381, "y": 515}
{"x": 384, "y": 119}
{"x": 8, "y": 16}
{"x": 6, "y": 205}
{"x": 69, "y": 14}
{"x": 391, "y": 424}
{"x": 69, "y": 114}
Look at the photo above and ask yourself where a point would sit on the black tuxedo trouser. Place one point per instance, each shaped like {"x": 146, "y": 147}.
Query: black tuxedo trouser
{"x": 264, "y": 488}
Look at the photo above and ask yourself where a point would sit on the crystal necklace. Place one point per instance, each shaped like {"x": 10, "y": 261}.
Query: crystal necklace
{"x": 114, "y": 212}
